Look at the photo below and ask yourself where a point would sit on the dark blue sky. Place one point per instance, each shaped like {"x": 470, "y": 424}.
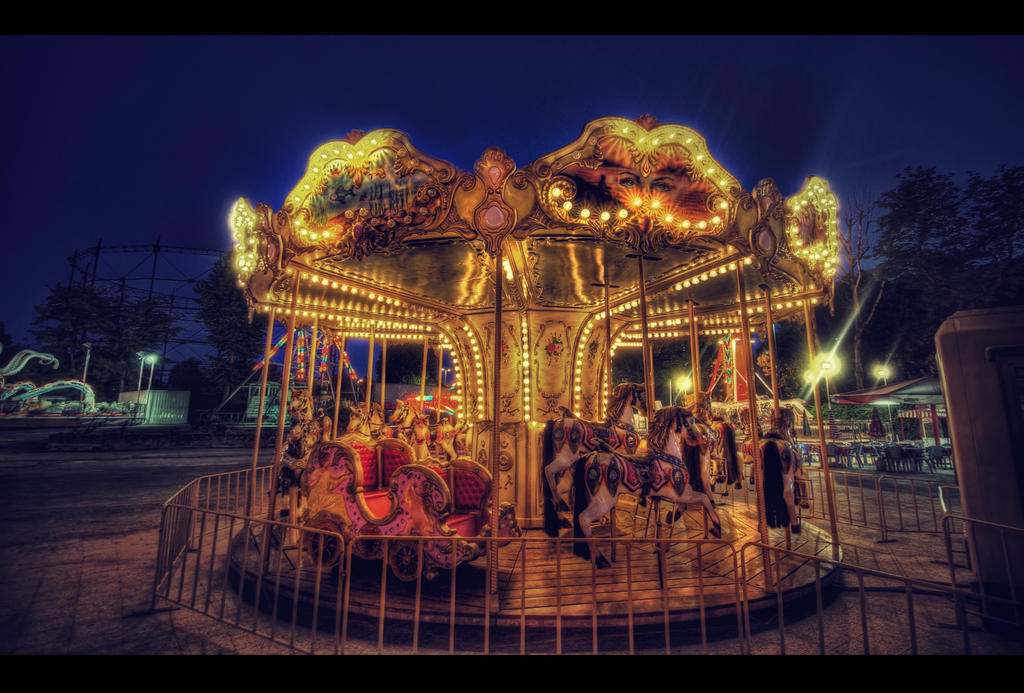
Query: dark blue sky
{"x": 130, "y": 138}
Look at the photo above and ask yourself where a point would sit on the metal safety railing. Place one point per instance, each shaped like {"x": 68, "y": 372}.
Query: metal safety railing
{"x": 883, "y": 502}
{"x": 306, "y": 590}
{"x": 302, "y": 589}
{"x": 991, "y": 579}
{"x": 875, "y": 613}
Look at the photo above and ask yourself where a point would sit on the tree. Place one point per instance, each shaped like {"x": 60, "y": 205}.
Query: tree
{"x": 943, "y": 249}
{"x": 66, "y": 319}
{"x": 855, "y": 250}
{"x": 190, "y": 375}
{"x": 237, "y": 342}
{"x": 118, "y": 325}
{"x": 996, "y": 208}
{"x": 405, "y": 364}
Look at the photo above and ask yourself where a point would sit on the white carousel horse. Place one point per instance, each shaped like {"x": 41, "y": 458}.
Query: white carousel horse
{"x": 601, "y": 477}
{"x": 420, "y": 438}
{"x": 367, "y": 424}
{"x": 374, "y": 424}
{"x": 780, "y": 460}
{"x": 445, "y": 438}
{"x": 567, "y": 439}
{"x": 460, "y": 443}
{"x": 401, "y": 419}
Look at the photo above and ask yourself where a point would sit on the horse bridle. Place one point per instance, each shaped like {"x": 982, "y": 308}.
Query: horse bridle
{"x": 639, "y": 398}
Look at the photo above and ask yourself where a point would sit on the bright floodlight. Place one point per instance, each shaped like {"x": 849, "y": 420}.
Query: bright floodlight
{"x": 824, "y": 366}
{"x": 685, "y": 384}
{"x": 882, "y": 371}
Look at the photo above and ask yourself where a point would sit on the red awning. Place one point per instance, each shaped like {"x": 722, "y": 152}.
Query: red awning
{"x": 917, "y": 391}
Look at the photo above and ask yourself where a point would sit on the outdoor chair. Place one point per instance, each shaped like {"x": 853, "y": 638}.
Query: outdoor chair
{"x": 893, "y": 458}
{"x": 937, "y": 457}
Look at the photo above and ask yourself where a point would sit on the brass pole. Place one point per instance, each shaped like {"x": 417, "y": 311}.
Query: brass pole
{"x": 369, "y": 374}
{"x": 312, "y": 358}
{"x": 607, "y": 350}
{"x": 648, "y": 366}
{"x": 771, "y": 346}
{"x": 337, "y": 386}
{"x": 423, "y": 375}
{"x": 694, "y": 351}
{"x": 285, "y": 378}
{"x": 383, "y": 374}
{"x": 830, "y": 499}
{"x": 607, "y": 286}
{"x": 495, "y": 434}
{"x": 259, "y": 414}
{"x": 440, "y": 372}
{"x": 748, "y": 368}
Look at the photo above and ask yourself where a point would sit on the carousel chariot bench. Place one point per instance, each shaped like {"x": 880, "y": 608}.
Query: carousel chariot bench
{"x": 362, "y": 491}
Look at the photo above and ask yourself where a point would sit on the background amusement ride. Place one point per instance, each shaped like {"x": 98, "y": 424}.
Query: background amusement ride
{"x": 531, "y": 278}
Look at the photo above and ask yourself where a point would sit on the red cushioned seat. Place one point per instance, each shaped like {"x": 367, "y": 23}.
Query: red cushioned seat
{"x": 378, "y": 503}
{"x": 368, "y": 461}
{"x": 465, "y": 525}
{"x": 468, "y": 492}
{"x": 390, "y": 460}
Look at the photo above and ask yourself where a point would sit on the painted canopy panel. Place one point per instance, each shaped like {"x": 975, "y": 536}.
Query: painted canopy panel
{"x": 375, "y": 211}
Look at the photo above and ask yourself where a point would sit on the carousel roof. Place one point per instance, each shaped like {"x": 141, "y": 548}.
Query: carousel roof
{"x": 379, "y": 233}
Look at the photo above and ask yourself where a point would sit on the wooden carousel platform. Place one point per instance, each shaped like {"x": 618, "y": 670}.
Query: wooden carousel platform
{"x": 542, "y": 585}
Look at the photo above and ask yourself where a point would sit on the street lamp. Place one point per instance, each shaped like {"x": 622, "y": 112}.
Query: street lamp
{"x": 883, "y": 371}
{"x": 144, "y": 358}
{"x": 151, "y": 360}
{"x": 824, "y": 366}
{"x": 684, "y": 386}
{"x": 683, "y": 383}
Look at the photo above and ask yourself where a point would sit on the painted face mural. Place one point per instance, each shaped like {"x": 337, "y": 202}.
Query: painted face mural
{"x": 663, "y": 176}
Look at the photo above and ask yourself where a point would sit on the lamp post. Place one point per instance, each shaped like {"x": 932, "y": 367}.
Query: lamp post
{"x": 88, "y": 353}
{"x": 828, "y": 366}
{"x": 883, "y": 371}
{"x": 684, "y": 383}
{"x": 144, "y": 358}
{"x": 822, "y": 367}
{"x": 142, "y": 364}
{"x": 151, "y": 360}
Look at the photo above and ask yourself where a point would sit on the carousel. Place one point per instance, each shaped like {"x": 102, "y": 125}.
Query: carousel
{"x": 528, "y": 279}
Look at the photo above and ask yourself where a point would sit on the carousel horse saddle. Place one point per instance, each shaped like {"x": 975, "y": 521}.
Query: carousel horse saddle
{"x": 638, "y": 473}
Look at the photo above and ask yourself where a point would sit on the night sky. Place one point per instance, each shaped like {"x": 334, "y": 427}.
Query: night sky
{"x": 129, "y": 138}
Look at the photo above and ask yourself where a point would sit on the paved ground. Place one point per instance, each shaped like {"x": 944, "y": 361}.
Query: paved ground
{"x": 79, "y": 541}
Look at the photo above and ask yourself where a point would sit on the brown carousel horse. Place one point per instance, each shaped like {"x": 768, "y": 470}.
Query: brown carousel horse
{"x": 780, "y": 460}
{"x": 711, "y": 441}
{"x": 567, "y": 439}
{"x": 727, "y": 453}
{"x": 601, "y": 477}
{"x": 307, "y": 430}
